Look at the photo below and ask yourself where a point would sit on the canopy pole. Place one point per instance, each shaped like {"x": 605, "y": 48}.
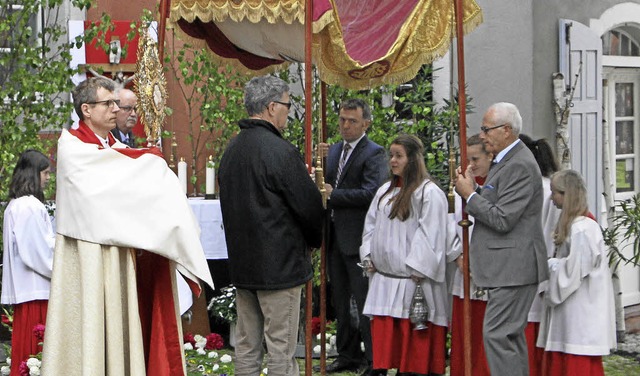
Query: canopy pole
{"x": 325, "y": 243}
{"x": 465, "y": 223}
{"x": 162, "y": 25}
{"x": 308, "y": 118}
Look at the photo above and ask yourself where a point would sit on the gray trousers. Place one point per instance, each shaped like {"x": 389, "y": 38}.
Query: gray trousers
{"x": 504, "y": 322}
{"x": 272, "y": 315}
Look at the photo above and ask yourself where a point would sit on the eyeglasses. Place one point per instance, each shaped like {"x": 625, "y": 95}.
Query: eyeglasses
{"x": 288, "y": 104}
{"x": 129, "y": 108}
{"x": 487, "y": 129}
{"x": 109, "y": 102}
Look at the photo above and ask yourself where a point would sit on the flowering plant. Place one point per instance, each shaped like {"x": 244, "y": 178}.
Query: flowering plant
{"x": 7, "y": 318}
{"x": 224, "y": 305}
{"x": 203, "y": 362}
{"x": 330, "y": 336}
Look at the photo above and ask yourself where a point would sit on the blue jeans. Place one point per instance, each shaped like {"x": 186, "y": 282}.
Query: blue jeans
{"x": 272, "y": 315}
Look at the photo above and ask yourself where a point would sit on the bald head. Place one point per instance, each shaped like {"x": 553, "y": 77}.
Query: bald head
{"x": 127, "y": 116}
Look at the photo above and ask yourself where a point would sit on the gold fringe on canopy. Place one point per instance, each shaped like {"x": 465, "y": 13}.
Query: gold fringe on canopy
{"x": 423, "y": 36}
{"x": 273, "y": 11}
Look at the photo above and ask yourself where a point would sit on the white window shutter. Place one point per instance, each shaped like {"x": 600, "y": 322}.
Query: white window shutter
{"x": 578, "y": 43}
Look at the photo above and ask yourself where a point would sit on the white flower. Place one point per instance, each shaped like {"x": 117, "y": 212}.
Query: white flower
{"x": 362, "y": 346}
{"x": 265, "y": 371}
{"x": 188, "y": 346}
{"x": 332, "y": 340}
{"x": 319, "y": 336}
{"x": 213, "y": 355}
{"x": 226, "y": 358}
{"x": 200, "y": 368}
{"x": 201, "y": 344}
{"x": 201, "y": 341}
{"x": 5, "y": 370}
{"x": 316, "y": 349}
{"x": 34, "y": 371}
{"x": 33, "y": 362}
{"x": 229, "y": 294}
{"x": 215, "y": 367}
{"x": 201, "y": 351}
{"x": 9, "y": 362}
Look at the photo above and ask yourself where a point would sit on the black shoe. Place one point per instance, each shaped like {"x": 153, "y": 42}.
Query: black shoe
{"x": 340, "y": 365}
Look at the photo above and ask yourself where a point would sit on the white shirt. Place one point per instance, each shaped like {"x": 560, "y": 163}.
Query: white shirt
{"x": 28, "y": 241}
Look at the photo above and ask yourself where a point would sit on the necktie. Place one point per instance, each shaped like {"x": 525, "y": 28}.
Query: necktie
{"x": 345, "y": 152}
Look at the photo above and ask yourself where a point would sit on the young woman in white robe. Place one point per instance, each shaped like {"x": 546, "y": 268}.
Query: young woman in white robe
{"x": 578, "y": 325}
{"x": 28, "y": 241}
{"x": 405, "y": 239}
{"x": 479, "y": 164}
{"x": 546, "y": 160}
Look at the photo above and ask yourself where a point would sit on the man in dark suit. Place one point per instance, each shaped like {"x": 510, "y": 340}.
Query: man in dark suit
{"x": 356, "y": 167}
{"x": 126, "y": 118}
{"x": 507, "y": 251}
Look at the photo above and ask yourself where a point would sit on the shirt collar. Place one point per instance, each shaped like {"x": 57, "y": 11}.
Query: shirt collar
{"x": 504, "y": 151}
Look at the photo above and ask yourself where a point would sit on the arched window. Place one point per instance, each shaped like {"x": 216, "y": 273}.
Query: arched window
{"x": 621, "y": 42}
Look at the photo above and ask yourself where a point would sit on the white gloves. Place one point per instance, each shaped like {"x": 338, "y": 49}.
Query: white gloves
{"x": 553, "y": 264}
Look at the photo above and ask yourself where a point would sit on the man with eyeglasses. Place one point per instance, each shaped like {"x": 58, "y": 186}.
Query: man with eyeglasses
{"x": 508, "y": 256}
{"x": 127, "y": 117}
{"x": 356, "y": 168}
{"x": 272, "y": 213}
{"x": 124, "y": 226}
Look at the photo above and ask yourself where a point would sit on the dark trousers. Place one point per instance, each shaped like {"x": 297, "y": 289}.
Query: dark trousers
{"x": 346, "y": 280}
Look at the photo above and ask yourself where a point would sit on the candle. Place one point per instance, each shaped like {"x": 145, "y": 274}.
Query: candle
{"x": 182, "y": 174}
{"x": 210, "y": 187}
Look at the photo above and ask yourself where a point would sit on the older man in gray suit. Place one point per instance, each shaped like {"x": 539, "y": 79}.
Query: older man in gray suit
{"x": 507, "y": 251}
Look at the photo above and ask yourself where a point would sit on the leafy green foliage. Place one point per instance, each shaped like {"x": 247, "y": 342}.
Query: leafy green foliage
{"x": 624, "y": 229}
{"x": 214, "y": 104}
{"x": 35, "y": 77}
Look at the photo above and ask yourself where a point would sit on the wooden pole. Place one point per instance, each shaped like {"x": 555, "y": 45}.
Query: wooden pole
{"x": 462, "y": 101}
{"x": 325, "y": 244}
{"x": 162, "y": 25}
{"x": 308, "y": 113}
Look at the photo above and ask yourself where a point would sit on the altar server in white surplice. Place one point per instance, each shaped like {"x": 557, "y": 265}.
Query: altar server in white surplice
{"x": 578, "y": 325}
{"x": 405, "y": 238}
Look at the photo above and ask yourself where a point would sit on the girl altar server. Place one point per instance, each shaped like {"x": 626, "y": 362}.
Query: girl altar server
{"x": 578, "y": 325}
{"x": 404, "y": 243}
{"x": 28, "y": 240}
{"x": 543, "y": 152}
{"x": 479, "y": 165}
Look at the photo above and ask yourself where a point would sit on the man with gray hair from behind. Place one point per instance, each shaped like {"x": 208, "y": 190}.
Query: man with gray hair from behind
{"x": 507, "y": 253}
{"x": 272, "y": 213}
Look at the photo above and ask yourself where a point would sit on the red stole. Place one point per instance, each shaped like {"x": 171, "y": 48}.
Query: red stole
{"x": 86, "y": 135}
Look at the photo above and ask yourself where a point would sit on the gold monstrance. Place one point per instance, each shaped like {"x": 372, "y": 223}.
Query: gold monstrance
{"x": 151, "y": 87}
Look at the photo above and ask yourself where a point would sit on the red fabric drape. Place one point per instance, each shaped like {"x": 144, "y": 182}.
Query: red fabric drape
{"x": 396, "y": 345}
{"x": 23, "y": 341}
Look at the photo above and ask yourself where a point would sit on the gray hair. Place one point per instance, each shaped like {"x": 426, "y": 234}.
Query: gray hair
{"x": 87, "y": 91}
{"x": 354, "y": 104}
{"x": 261, "y": 91}
{"x": 508, "y": 113}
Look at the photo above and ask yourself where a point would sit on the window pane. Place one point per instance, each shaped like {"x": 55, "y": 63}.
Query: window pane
{"x": 635, "y": 51}
{"x": 624, "y": 99}
{"x": 624, "y": 137}
{"x": 615, "y": 43}
{"x": 624, "y": 46}
{"x": 624, "y": 175}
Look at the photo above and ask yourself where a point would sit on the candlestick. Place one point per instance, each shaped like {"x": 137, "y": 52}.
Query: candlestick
{"x": 210, "y": 188}
{"x": 182, "y": 174}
